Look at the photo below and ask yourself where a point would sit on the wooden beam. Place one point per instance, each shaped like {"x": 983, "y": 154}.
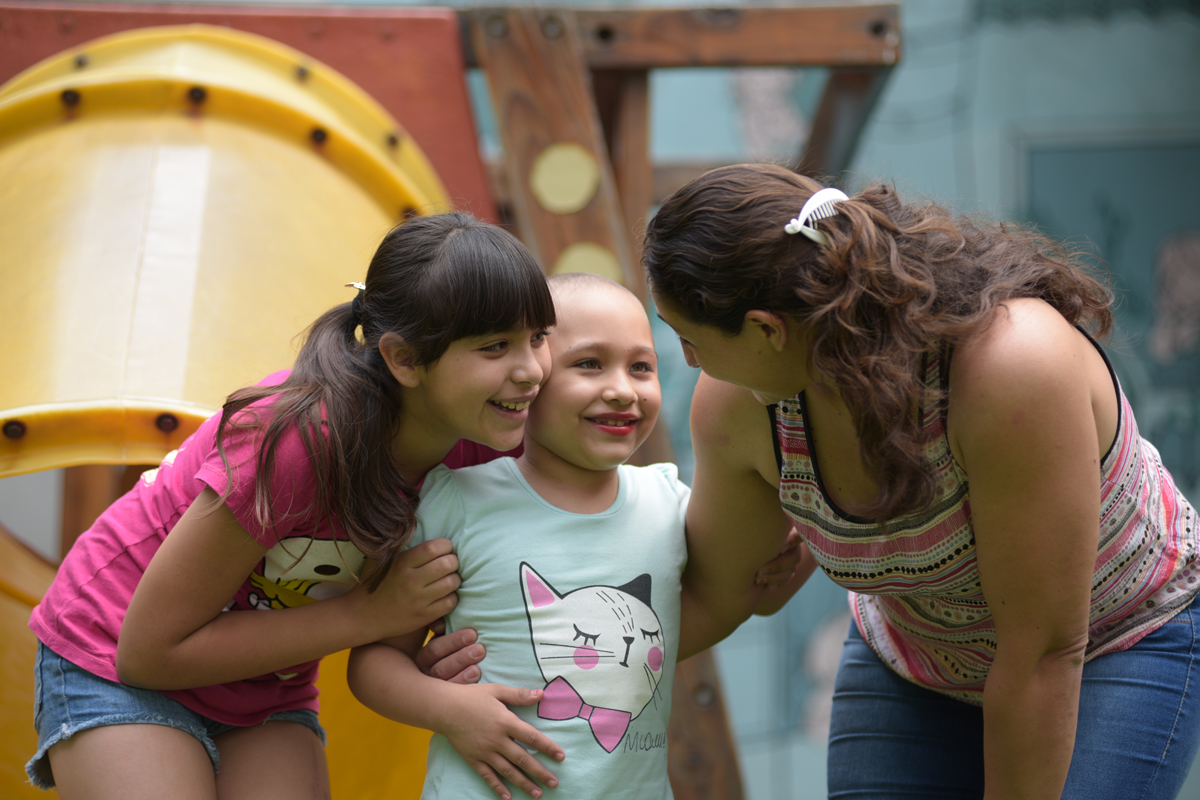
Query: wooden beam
{"x": 655, "y": 38}
{"x": 556, "y": 159}
{"x": 87, "y": 491}
{"x": 699, "y": 768}
{"x": 623, "y": 101}
{"x": 850, "y": 95}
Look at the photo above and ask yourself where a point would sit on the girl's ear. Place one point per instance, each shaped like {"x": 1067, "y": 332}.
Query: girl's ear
{"x": 399, "y": 358}
{"x": 768, "y": 325}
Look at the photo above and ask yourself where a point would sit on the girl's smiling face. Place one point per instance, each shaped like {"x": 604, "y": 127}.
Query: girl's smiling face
{"x": 603, "y": 397}
{"x": 481, "y": 387}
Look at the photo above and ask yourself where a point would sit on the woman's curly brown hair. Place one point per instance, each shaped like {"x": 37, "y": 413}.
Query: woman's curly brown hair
{"x": 897, "y": 281}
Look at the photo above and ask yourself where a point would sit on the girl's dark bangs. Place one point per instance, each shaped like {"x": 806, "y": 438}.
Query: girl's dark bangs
{"x": 492, "y": 288}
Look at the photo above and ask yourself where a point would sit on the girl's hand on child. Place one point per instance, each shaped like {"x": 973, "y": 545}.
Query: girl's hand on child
{"x": 492, "y": 739}
{"x": 419, "y": 588}
{"x": 451, "y": 657}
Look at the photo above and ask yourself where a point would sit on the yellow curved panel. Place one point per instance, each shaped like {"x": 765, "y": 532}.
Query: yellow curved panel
{"x": 154, "y": 271}
{"x": 160, "y": 247}
{"x": 240, "y": 75}
{"x": 157, "y": 252}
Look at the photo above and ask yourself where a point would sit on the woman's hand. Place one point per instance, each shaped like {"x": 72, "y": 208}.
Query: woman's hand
{"x": 492, "y": 739}
{"x": 782, "y": 576}
{"x": 782, "y": 567}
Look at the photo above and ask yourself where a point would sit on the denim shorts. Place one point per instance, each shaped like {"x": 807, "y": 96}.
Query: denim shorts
{"x": 69, "y": 699}
{"x": 1137, "y": 734}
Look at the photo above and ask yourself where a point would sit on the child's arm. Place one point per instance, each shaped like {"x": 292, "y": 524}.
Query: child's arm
{"x": 474, "y": 718}
{"x": 174, "y": 635}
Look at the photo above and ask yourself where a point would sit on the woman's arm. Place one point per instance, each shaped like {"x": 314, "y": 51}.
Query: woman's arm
{"x": 735, "y": 523}
{"x": 174, "y": 635}
{"x": 1023, "y": 421}
{"x": 474, "y": 718}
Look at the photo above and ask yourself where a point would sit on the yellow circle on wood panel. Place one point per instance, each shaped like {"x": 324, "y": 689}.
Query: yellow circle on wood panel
{"x": 564, "y": 178}
{"x": 589, "y": 257}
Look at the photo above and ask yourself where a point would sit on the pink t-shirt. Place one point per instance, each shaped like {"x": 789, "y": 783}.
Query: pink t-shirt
{"x": 80, "y": 617}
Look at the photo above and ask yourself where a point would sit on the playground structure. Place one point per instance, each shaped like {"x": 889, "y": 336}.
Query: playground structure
{"x": 178, "y": 202}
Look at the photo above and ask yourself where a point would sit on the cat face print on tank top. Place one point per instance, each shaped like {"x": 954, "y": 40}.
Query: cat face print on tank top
{"x": 600, "y": 650}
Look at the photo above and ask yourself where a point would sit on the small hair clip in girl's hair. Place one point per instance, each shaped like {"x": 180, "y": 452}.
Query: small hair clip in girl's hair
{"x": 356, "y": 304}
{"x": 819, "y": 206}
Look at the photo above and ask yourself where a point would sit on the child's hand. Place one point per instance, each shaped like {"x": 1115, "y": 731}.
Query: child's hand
{"x": 418, "y": 589}
{"x": 491, "y": 738}
{"x": 451, "y": 657}
{"x": 780, "y": 569}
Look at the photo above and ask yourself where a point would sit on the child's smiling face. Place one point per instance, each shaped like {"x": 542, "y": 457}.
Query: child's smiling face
{"x": 602, "y": 397}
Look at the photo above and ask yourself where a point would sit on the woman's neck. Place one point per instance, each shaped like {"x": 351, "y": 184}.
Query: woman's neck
{"x": 565, "y": 485}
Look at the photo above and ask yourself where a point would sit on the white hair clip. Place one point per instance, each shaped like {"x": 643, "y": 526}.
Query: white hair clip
{"x": 362, "y": 287}
{"x": 819, "y": 206}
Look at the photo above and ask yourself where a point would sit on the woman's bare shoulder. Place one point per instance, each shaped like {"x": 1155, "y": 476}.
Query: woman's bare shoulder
{"x": 1029, "y": 359}
{"x": 730, "y": 424}
{"x": 1025, "y": 339}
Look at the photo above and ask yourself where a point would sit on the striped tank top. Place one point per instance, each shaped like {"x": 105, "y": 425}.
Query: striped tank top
{"x": 915, "y": 590}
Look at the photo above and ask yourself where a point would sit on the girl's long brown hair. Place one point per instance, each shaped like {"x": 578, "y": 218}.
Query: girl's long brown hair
{"x": 432, "y": 281}
{"x": 897, "y": 281}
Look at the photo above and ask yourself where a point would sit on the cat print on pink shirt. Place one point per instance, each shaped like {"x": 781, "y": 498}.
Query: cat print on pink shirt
{"x": 600, "y": 650}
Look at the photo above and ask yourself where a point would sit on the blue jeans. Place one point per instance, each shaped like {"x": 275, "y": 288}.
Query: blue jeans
{"x": 1138, "y": 731}
{"x": 68, "y": 700}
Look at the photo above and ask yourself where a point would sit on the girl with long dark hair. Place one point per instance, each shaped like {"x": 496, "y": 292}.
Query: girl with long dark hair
{"x": 298, "y": 499}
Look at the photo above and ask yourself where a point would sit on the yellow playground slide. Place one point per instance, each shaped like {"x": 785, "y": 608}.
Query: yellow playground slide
{"x": 176, "y": 204}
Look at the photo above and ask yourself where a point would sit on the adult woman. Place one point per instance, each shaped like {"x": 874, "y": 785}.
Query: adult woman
{"x": 945, "y": 436}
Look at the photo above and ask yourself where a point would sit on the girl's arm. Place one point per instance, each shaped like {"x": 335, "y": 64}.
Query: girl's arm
{"x": 735, "y": 523}
{"x": 474, "y": 718}
{"x": 1025, "y": 396}
{"x": 174, "y": 635}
